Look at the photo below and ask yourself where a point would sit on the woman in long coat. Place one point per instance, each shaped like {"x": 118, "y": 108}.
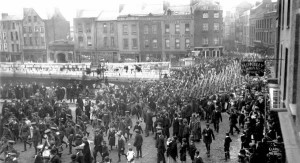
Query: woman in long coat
{"x": 111, "y": 137}
{"x": 87, "y": 156}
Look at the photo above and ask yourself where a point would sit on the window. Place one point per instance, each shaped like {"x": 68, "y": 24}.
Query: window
{"x": 36, "y": 29}
{"x": 134, "y": 43}
{"x": 125, "y": 30}
{"x": 205, "y": 14}
{"x": 167, "y": 42}
{"x": 154, "y": 43}
{"x": 154, "y": 29}
{"x": 177, "y": 43}
{"x": 205, "y": 41}
{"x": 167, "y": 28}
{"x": 288, "y": 14}
{"x": 105, "y": 41}
{"x": 17, "y": 37}
{"x": 0, "y": 47}
{"x": 35, "y": 18}
{"x": 187, "y": 43}
{"x": 42, "y": 30}
{"x": 80, "y": 29}
{"x": 29, "y": 19}
{"x": 5, "y": 46}
{"x": 112, "y": 42}
{"x": 88, "y": 28}
{"x": 30, "y": 29}
{"x": 12, "y": 47}
{"x": 43, "y": 40}
{"x": 36, "y": 40}
{"x": 216, "y": 40}
{"x": 133, "y": 29}
{"x": 187, "y": 28}
{"x": 17, "y": 47}
{"x": 146, "y": 42}
{"x": 25, "y": 42}
{"x": 125, "y": 43}
{"x": 13, "y": 25}
{"x": 24, "y": 29}
{"x": 112, "y": 28}
{"x": 89, "y": 41}
{"x": 104, "y": 28}
{"x": 80, "y": 39}
{"x": 205, "y": 26}
{"x": 177, "y": 28}
{"x": 30, "y": 40}
{"x": 216, "y": 26}
{"x": 11, "y": 36}
{"x": 146, "y": 29}
{"x": 4, "y": 35}
{"x": 216, "y": 15}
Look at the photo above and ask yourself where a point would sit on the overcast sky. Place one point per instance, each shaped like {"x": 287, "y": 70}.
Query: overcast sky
{"x": 69, "y": 7}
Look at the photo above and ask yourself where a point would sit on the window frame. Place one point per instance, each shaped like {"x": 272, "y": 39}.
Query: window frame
{"x": 177, "y": 28}
{"x": 177, "y": 42}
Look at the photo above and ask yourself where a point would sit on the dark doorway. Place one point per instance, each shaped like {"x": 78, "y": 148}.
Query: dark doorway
{"x": 61, "y": 58}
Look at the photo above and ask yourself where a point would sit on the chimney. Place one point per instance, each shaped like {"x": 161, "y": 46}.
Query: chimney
{"x": 4, "y": 15}
{"x": 121, "y": 7}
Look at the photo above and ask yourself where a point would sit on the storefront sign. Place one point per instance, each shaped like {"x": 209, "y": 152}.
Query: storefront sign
{"x": 253, "y": 68}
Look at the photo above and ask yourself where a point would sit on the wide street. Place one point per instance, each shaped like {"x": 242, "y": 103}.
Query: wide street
{"x": 149, "y": 150}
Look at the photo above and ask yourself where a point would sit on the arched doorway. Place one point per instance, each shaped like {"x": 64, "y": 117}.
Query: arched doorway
{"x": 61, "y": 58}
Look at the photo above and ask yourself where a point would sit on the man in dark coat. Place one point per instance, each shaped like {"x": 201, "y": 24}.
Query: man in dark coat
{"x": 80, "y": 102}
{"x": 208, "y": 135}
{"x": 138, "y": 142}
{"x": 160, "y": 145}
{"x": 149, "y": 122}
{"x": 36, "y": 136}
{"x": 98, "y": 143}
{"x": 121, "y": 146}
{"x": 233, "y": 121}
{"x": 175, "y": 125}
{"x": 54, "y": 158}
{"x": 216, "y": 118}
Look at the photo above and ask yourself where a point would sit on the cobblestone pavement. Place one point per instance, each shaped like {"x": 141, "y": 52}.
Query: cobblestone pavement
{"x": 149, "y": 150}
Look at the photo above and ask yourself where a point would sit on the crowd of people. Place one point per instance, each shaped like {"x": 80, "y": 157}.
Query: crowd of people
{"x": 179, "y": 104}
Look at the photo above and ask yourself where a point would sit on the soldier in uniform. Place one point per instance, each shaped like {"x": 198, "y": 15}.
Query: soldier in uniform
{"x": 98, "y": 143}
{"x": 36, "y": 136}
{"x": 25, "y": 133}
{"x": 128, "y": 122}
{"x": 70, "y": 133}
{"x": 8, "y": 148}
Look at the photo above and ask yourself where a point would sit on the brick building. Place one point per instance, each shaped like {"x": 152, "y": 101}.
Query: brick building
{"x": 106, "y": 37}
{"x": 178, "y": 32}
{"x": 208, "y": 28}
{"x": 34, "y": 41}
{"x": 10, "y": 38}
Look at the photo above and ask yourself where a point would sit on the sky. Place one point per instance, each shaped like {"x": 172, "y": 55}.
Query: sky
{"x": 68, "y": 7}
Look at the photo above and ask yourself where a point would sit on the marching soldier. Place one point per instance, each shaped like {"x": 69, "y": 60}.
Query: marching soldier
{"x": 98, "y": 143}
{"x": 25, "y": 133}
{"x": 70, "y": 133}
{"x": 36, "y": 136}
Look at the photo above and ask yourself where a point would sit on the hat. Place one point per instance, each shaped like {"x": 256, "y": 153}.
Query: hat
{"x": 73, "y": 157}
{"x": 77, "y": 125}
{"x": 12, "y": 154}
{"x": 47, "y": 131}
{"x": 84, "y": 139}
{"x": 159, "y": 132}
{"x": 127, "y": 111}
{"x": 33, "y": 123}
{"x": 68, "y": 115}
{"x": 80, "y": 147}
{"x": 53, "y": 128}
{"x": 99, "y": 120}
{"x": 11, "y": 141}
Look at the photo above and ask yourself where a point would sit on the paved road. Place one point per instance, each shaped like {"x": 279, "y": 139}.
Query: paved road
{"x": 149, "y": 150}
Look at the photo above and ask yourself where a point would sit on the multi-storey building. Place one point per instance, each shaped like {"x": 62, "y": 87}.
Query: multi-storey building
{"x": 10, "y": 38}
{"x": 84, "y": 35}
{"x": 263, "y": 19}
{"x": 57, "y": 29}
{"x": 288, "y": 74}
{"x": 150, "y": 36}
{"x": 177, "y": 32}
{"x": 106, "y": 37}
{"x": 208, "y": 24}
{"x": 34, "y": 41}
{"x": 229, "y": 31}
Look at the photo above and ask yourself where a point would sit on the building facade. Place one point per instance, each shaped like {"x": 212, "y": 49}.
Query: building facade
{"x": 150, "y": 36}
{"x": 287, "y": 68}
{"x": 208, "y": 29}
{"x": 106, "y": 37}
{"x": 84, "y": 38}
{"x": 10, "y": 38}
{"x": 34, "y": 41}
{"x": 229, "y": 31}
{"x": 128, "y": 38}
{"x": 263, "y": 20}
